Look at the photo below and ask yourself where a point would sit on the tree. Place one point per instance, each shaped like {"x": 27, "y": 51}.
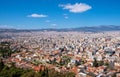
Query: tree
{"x": 5, "y": 49}
{"x": 1, "y": 65}
{"x": 95, "y": 63}
{"x": 28, "y": 74}
{"x": 17, "y": 72}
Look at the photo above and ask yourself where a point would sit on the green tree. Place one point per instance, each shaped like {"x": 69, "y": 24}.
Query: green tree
{"x": 1, "y": 65}
{"x": 5, "y": 49}
{"x": 28, "y": 74}
{"x": 95, "y": 63}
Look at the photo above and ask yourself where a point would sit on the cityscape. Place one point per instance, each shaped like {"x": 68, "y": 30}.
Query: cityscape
{"x": 86, "y": 54}
{"x": 59, "y": 38}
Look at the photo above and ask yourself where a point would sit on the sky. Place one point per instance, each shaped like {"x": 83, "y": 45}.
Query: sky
{"x": 39, "y": 14}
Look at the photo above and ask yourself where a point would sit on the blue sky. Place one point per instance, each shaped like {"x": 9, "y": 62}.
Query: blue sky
{"x": 37, "y": 14}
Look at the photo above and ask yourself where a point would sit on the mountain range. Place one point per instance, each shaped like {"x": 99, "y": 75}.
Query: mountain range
{"x": 101, "y": 28}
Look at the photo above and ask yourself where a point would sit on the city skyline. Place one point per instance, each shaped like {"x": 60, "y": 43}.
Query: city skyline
{"x": 38, "y": 14}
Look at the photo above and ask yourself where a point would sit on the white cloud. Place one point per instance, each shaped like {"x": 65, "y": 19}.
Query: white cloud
{"x": 37, "y": 15}
{"x": 54, "y": 25}
{"x": 47, "y": 21}
{"x": 6, "y": 26}
{"x": 77, "y": 7}
{"x": 65, "y": 16}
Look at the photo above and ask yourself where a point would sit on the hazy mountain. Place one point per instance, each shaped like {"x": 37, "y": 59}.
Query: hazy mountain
{"x": 83, "y": 29}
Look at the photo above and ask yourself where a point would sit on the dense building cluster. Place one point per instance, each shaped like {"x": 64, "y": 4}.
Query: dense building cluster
{"x": 86, "y": 54}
